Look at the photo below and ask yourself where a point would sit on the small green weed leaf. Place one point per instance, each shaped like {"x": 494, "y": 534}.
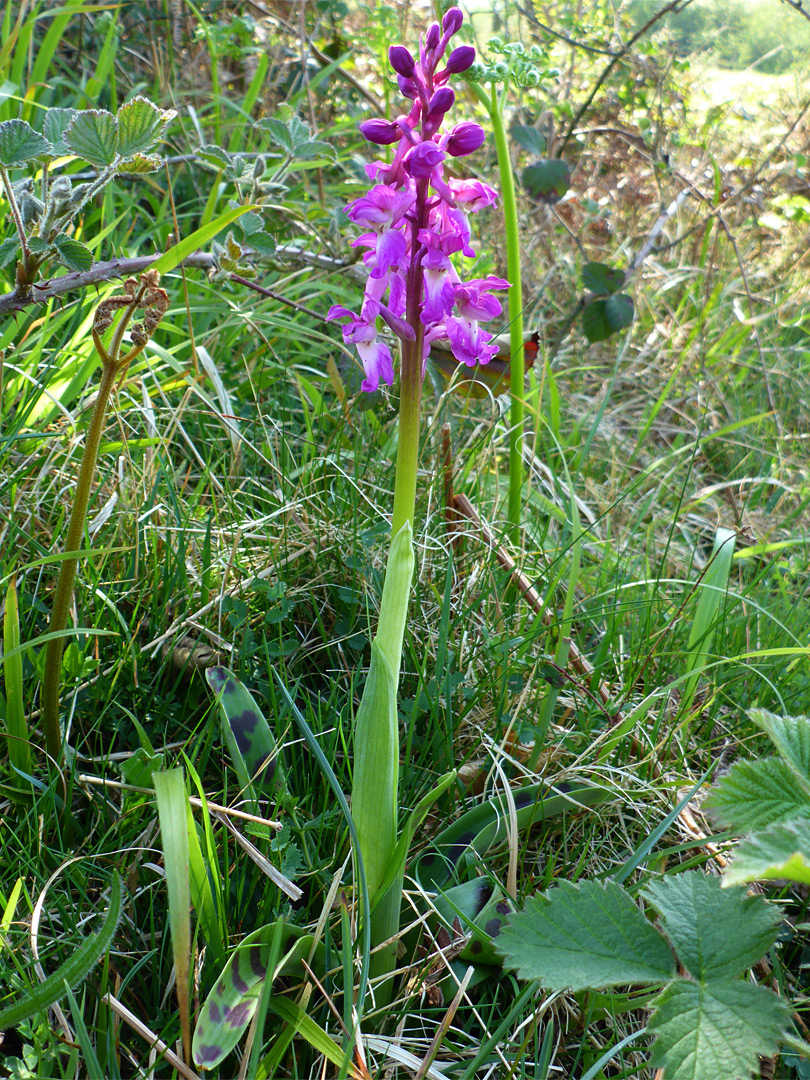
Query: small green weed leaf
{"x": 93, "y": 136}
{"x": 529, "y": 138}
{"x": 141, "y": 163}
{"x": 232, "y": 1002}
{"x": 8, "y": 251}
{"x": 547, "y": 180}
{"x": 20, "y": 143}
{"x": 585, "y": 937}
{"x": 781, "y": 851}
{"x": 41, "y": 995}
{"x": 602, "y": 279}
{"x": 714, "y": 932}
{"x": 139, "y": 767}
{"x": 756, "y": 794}
{"x": 606, "y": 316}
{"x": 140, "y": 125}
{"x": 74, "y": 254}
{"x": 791, "y": 737}
{"x": 315, "y": 148}
{"x": 715, "y": 1029}
{"x": 279, "y": 133}
{"x": 247, "y": 734}
{"x": 54, "y": 127}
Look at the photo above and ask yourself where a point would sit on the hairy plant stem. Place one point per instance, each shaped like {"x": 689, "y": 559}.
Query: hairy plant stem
{"x": 64, "y": 588}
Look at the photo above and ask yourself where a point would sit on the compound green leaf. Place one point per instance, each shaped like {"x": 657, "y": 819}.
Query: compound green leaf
{"x": 602, "y": 279}
{"x": 791, "y": 737}
{"x": 140, "y": 125}
{"x": 782, "y": 852}
{"x": 756, "y": 794}
{"x": 93, "y": 136}
{"x": 606, "y": 315}
{"x": 715, "y": 1029}
{"x": 585, "y": 937}
{"x": 20, "y": 143}
{"x": 74, "y": 254}
{"x": 715, "y": 932}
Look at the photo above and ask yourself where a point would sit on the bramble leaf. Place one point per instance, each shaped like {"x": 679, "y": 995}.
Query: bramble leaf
{"x": 20, "y": 143}
{"x": 54, "y": 127}
{"x": 791, "y": 737}
{"x": 8, "y": 251}
{"x": 715, "y": 1029}
{"x": 584, "y": 937}
{"x": 279, "y": 133}
{"x": 529, "y": 138}
{"x": 607, "y": 315}
{"x": 93, "y": 136}
{"x": 547, "y": 180}
{"x": 142, "y": 163}
{"x": 781, "y": 851}
{"x": 602, "y": 279}
{"x": 715, "y": 932}
{"x": 140, "y": 125}
{"x": 74, "y": 254}
{"x": 756, "y": 794}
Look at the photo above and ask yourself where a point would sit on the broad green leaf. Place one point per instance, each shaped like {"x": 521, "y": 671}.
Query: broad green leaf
{"x": 619, "y": 309}
{"x": 251, "y": 743}
{"x": 279, "y": 133}
{"x": 606, "y": 315}
{"x": 93, "y": 136}
{"x": 140, "y": 125}
{"x": 791, "y": 737}
{"x": 756, "y": 794}
{"x": 715, "y": 932}
{"x": 41, "y": 995}
{"x": 74, "y": 254}
{"x": 8, "y": 250}
{"x": 232, "y": 1002}
{"x": 54, "y": 127}
{"x": 602, "y": 279}
{"x": 39, "y": 245}
{"x": 170, "y": 790}
{"x": 20, "y": 143}
{"x": 717, "y": 1029}
{"x": 585, "y": 937}
{"x": 547, "y": 180}
{"x": 529, "y": 138}
{"x": 781, "y": 852}
{"x": 215, "y": 155}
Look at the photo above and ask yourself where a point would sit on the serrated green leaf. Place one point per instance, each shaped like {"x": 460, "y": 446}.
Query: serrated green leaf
{"x": 141, "y": 163}
{"x": 140, "y": 125}
{"x": 606, "y": 315}
{"x": 54, "y": 127}
{"x": 215, "y": 155}
{"x": 38, "y": 245}
{"x": 529, "y": 138}
{"x": 93, "y": 136}
{"x": 715, "y": 932}
{"x": 278, "y": 132}
{"x": 715, "y": 1029}
{"x": 8, "y": 251}
{"x": 756, "y": 794}
{"x": 602, "y": 279}
{"x": 20, "y": 143}
{"x": 791, "y": 737}
{"x": 74, "y": 254}
{"x": 781, "y": 851}
{"x": 547, "y": 180}
{"x": 585, "y": 937}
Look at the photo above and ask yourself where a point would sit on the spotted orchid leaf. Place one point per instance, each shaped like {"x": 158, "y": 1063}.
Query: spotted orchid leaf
{"x": 232, "y": 1002}
{"x": 254, "y": 752}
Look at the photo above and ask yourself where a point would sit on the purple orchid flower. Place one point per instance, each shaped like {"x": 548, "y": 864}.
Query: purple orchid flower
{"x": 416, "y": 220}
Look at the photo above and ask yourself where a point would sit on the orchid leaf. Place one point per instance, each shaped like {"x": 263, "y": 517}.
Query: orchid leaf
{"x": 252, "y": 746}
{"x": 232, "y": 1002}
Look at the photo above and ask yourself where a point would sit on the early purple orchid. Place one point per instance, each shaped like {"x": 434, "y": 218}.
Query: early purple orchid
{"x": 416, "y": 220}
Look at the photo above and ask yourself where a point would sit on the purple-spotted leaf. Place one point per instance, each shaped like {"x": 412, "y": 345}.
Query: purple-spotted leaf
{"x": 232, "y": 1002}
{"x": 250, "y": 742}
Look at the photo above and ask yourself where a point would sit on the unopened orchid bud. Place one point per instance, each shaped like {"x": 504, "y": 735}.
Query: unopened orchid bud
{"x": 459, "y": 60}
{"x": 423, "y": 159}
{"x": 382, "y": 132}
{"x": 441, "y": 101}
{"x": 465, "y": 138}
{"x": 401, "y": 60}
{"x": 433, "y": 36}
{"x": 408, "y": 87}
{"x": 451, "y": 23}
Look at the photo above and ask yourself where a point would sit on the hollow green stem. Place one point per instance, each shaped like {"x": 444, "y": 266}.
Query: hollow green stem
{"x": 67, "y": 574}
{"x": 515, "y": 298}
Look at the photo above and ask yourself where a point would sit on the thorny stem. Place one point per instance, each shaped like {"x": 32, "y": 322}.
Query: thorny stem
{"x": 113, "y": 365}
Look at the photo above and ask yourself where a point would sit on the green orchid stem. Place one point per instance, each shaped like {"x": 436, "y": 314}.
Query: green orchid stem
{"x": 51, "y": 677}
{"x": 515, "y": 298}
